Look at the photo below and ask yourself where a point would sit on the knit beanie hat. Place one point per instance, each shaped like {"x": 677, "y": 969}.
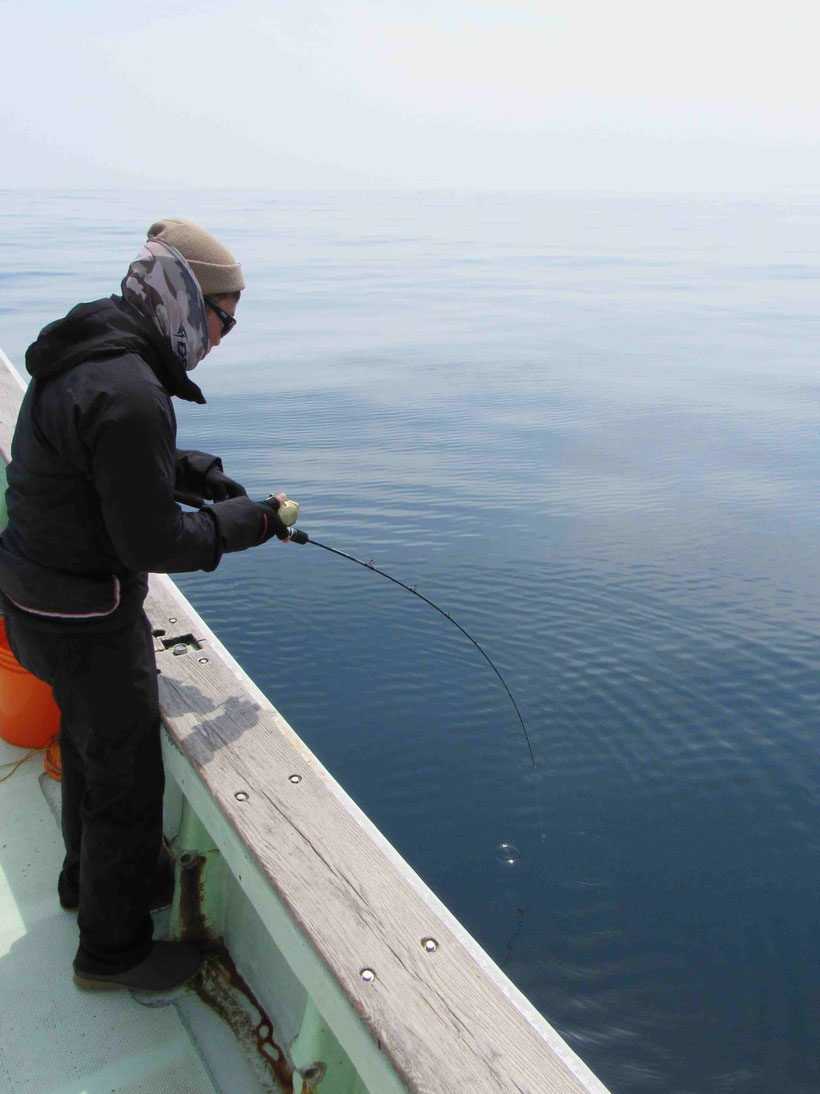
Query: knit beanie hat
{"x": 215, "y": 268}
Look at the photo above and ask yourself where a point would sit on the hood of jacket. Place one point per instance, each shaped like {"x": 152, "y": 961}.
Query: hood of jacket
{"x": 108, "y": 328}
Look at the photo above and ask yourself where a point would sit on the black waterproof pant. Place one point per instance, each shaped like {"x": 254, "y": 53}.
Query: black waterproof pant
{"x": 105, "y": 684}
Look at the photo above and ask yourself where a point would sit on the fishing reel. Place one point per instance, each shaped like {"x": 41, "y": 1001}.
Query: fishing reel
{"x": 287, "y": 512}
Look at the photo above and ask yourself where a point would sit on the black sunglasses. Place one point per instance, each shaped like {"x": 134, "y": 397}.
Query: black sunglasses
{"x": 228, "y": 321}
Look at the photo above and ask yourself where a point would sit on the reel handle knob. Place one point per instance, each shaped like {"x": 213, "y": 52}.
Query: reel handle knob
{"x": 288, "y": 510}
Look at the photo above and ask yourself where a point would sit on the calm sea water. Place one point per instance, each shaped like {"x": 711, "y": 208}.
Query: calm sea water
{"x": 586, "y": 426}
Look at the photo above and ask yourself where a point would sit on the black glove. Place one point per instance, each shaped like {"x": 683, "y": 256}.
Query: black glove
{"x": 240, "y": 523}
{"x": 219, "y": 487}
{"x": 274, "y": 527}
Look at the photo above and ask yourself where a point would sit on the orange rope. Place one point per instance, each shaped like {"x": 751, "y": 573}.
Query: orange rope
{"x": 14, "y": 764}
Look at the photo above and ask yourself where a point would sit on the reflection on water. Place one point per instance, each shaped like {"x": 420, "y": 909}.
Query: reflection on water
{"x": 587, "y": 427}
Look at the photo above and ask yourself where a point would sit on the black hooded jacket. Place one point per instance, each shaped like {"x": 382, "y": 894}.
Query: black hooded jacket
{"x": 94, "y": 467}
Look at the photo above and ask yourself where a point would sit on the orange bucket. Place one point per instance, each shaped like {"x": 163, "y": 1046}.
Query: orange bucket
{"x": 29, "y": 717}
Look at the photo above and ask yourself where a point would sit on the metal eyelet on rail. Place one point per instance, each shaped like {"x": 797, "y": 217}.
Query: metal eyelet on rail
{"x": 241, "y": 795}
{"x": 294, "y": 778}
{"x": 312, "y": 1074}
{"x": 429, "y": 944}
{"x": 368, "y": 976}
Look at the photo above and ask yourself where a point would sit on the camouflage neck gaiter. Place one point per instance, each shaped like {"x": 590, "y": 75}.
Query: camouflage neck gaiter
{"x": 162, "y": 286}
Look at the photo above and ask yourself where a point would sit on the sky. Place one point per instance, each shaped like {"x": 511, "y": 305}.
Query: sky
{"x": 623, "y": 95}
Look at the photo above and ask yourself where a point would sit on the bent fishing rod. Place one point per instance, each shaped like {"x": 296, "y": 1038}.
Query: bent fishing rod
{"x": 288, "y": 512}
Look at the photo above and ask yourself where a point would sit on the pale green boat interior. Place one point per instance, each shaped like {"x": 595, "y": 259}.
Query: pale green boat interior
{"x": 60, "y": 1040}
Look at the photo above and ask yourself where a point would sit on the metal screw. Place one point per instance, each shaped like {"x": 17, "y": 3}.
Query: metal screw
{"x": 172, "y": 620}
{"x": 180, "y": 648}
{"x": 295, "y": 778}
{"x": 429, "y": 944}
{"x": 241, "y": 795}
{"x": 203, "y": 660}
{"x": 368, "y": 976}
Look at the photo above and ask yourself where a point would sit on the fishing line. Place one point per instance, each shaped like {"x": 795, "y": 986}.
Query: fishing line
{"x": 299, "y": 536}
{"x": 288, "y": 512}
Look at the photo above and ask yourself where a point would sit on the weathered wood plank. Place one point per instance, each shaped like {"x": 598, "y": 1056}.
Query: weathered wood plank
{"x": 447, "y": 1020}
{"x": 12, "y": 389}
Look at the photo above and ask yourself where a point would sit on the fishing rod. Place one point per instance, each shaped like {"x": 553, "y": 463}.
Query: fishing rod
{"x": 298, "y": 535}
{"x": 288, "y": 512}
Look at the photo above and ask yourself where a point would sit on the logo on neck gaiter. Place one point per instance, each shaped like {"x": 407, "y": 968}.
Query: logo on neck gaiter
{"x": 181, "y": 344}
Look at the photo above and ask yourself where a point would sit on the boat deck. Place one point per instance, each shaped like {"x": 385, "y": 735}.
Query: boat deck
{"x": 57, "y": 1039}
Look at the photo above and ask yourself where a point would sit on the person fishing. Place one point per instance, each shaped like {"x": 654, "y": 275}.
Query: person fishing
{"x": 91, "y": 483}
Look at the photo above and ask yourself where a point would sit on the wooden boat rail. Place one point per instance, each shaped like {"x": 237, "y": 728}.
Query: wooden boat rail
{"x": 412, "y": 999}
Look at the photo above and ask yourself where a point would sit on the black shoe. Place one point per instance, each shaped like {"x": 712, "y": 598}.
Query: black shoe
{"x": 162, "y": 895}
{"x": 169, "y": 965}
